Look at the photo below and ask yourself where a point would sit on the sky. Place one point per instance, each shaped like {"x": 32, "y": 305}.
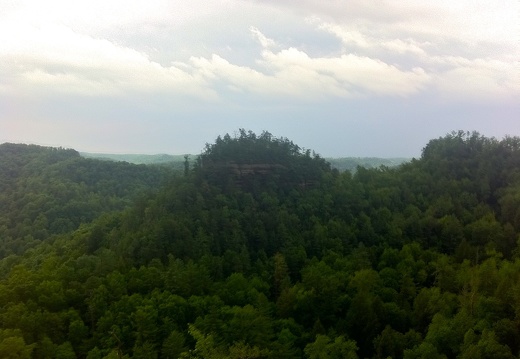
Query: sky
{"x": 343, "y": 78}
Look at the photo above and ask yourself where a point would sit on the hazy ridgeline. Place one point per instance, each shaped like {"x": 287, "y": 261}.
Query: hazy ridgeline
{"x": 176, "y": 161}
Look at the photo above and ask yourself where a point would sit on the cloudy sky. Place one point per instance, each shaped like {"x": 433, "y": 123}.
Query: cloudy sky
{"x": 344, "y": 78}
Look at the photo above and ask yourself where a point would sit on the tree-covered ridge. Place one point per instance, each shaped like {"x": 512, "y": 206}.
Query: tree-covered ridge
{"x": 46, "y": 191}
{"x": 255, "y": 162}
{"x": 420, "y": 261}
{"x": 246, "y": 147}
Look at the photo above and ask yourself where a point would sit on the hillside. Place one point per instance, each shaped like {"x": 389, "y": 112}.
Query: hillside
{"x": 46, "y": 191}
{"x": 263, "y": 250}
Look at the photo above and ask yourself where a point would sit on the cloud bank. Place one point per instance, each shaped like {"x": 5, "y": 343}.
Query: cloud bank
{"x": 414, "y": 51}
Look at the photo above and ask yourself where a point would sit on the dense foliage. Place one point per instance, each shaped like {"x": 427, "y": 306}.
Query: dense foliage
{"x": 46, "y": 191}
{"x": 261, "y": 250}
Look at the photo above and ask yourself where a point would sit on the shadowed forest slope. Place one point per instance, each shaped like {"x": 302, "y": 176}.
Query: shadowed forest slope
{"x": 46, "y": 191}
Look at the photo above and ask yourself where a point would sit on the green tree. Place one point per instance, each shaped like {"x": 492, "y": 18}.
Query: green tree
{"x": 13, "y": 346}
{"x": 281, "y": 280}
{"x": 174, "y": 345}
{"x": 65, "y": 351}
{"x": 325, "y": 348}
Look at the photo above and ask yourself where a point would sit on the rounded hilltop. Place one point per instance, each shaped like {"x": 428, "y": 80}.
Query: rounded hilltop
{"x": 249, "y": 161}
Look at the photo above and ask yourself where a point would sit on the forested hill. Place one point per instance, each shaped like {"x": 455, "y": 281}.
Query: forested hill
{"x": 262, "y": 250}
{"x": 46, "y": 191}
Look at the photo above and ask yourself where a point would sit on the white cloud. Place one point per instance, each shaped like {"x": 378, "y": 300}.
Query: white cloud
{"x": 478, "y": 80}
{"x": 292, "y": 73}
{"x": 348, "y": 74}
{"x": 405, "y": 46}
{"x": 95, "y": 15}
{"x": 264, "y": 41}
{"x": 55, "y": 58}
{"x": 463, "y": 59}
{"x": 389, "y": 49}
{"x": 348, "y": 36}
{"x": 467, "y": 21}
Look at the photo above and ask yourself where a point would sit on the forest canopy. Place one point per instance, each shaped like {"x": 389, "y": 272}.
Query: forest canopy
{"x": 260, "y": 249}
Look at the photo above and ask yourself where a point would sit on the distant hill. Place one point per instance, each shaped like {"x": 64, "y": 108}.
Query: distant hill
{"x": 340, "y": 163}
{"x": 46, "y": 191}
{"x": 351, "y": 163}
{"x": 138, "y": 159}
